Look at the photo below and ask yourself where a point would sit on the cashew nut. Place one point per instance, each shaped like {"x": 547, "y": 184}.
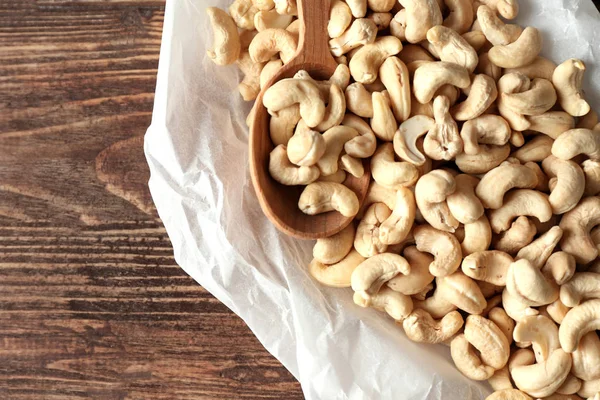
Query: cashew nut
{"x": 362, "y": 31}
{"x": 557, "y": 311}
{"x": 420, "y": 16}
{"x": 365, "y": 144}
{"x": 497, "y": 182}
{"x": 499, "y": 317}
{"x": 482, "y": 94}
{"x": 436, "y": 305}
{"x": 516, "y": 308}
{"x": 396, "y": 305}
{"x": 507, "y": 394}
{"x": 305, "y": 148}
{"x": 226, "y": 46}
{"x": 405, "y": 138}
{"x": 536, "y": 149}
{"x": 540, "y": 67}
{"x": 551, "y": 123}
{"x": 570, "y": 183}
{"x": 398, "y": 225}
{"x": 489, "y": 157}
{"x": 335, "y": 111}
{"x": 451, "y": 47}
{"x": 541, "y": 332}
{"x": 443, "y": 141}
{"x": 338, "y": 274}
{"x": 476, "y": 39}
{"x": 526, "y": 282}
{"x": 431, "y": 192}
{"x": 282, "y": 124}
{"x": 269, "y": 71}
{"x": 286, "y": 7}
{"x": 508, "y": 9}
{"x": 365, "y": 64}
{"x": 460, "y": 17}
{"x": 374, "y": 272}
{"x": 288, "y": 92}
{"x": 418, "y": 278}
{"x": 358, "y": 7}
{"x": 340, "y": 18}
{"x": 478, "y": 236}
{"x": 560, "y": 266}
{"x": 333, "y": 249}
{"x": 320, "y": 197}
{"x": 520, "y": 52}
{"x": 286, "y": 173}
{"x": 270, "y": 42}
{"x": 494, "y": 29}
{"x": 507, "y": 84}
{"x": 382, "y": 19}
{"x": 576, "y": 225}
{"x": 394, "y": 76}
{"x": 486, "y": 129}
{"x": 538, "y": 251}
{"x": 463, "y": 203}
{"x": 567, "y": 79}
{"x": 488, "y": 68}
{"x": 585, "y": 358}
{"x": 420, "y": 327}
{"x": 352, "y": 165}
{"x": 520, "y": 234}
{"x": 461, "y": 291}
{"x": 335, "y": 139}
{"x": 358, "y": 100}
{"x": 390, "y": 173}
{"x": 583, "y": 286}
{"x": 591, "y": 170}
{"x": 367, "y": 241}
{"x": 271, "y": 19}
{"x": 539, "y": 98}
{"x": 590, "y": 389}
{"x": 383, "y": 122}
{"x": 488, "y": 266}
{"x": 467, "y": 362}
{"x": 577, "y": 141}
{"x": 444, "y": 247}
{"x": 520, "y": 202}
{"x": 542, "y": 379}
{"x": 431, "y": 76}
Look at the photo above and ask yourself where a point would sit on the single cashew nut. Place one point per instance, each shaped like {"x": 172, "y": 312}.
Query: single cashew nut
{"x": 451, "y": 47}
{"x": 570, "y": 183}
{"x": 340, "y": 18}
{"x": 374, "y": 272}
{"x": 461, "y": 291}
{"x": 306, "y": 148}
{"x": 460, "y": 17}
{"x": 383, "y": 123}
{"x": 398, "y": 225}
{"x": 358, "y": 100}
{"x": 263, "y": 4}
{"x": 541, "y": 332}
{"x": 382, "y": 19}
{"x": 540, "y": 67}
{"x": 560, "y": 266}
{"x": 421, "y": 15}
{"x": 226, "y": 46}
{"x": 476, "y": 39}
{"x": 585, "y": 358}
{"x": 367, "y": 241}
{"x": 443, "y": 141}
{"x": 405, "y": 138}
{"x": 520, "y": 234}
{"x": 286, "y": 173}
{"x": 335, "y": 139}
{"x": 335, "y": 111}
{"x": 489, "y": 157}
{"x": 591, "y": 170}
{"x": 390, "y": 173}
{"x": 516, "y": 308}
{"x": 577, "y": 141}
{"x": 489, "y": 266}
{"x": 463, "y": 203}
{"x": 467, "y": 362}
{"x": 243, "y": 12}
{"x": 431, "y": 192}
{"x": 418, "y": 278}
{"x": 444, "y": 247}
{"x": 508, "y": 9}
{"x": 542, "y": 379}
{"x": 271, "y": 19}
{"x": 431, "y": 76}
{"x": 362, "y": 31}
{"x": 365, "y": 64}
{"x": 320, "y": 197}
{"x": 365, "y": 144}
{"x": 395, "y": 78}
{"x": 528, "y": 283}
{"x": 249, "y": 87}
{"x": 507, "y": 84}
{"x": 538, "y": 251}
{"x": 494, "y": 29}
{"x": 583, "y": 286}
{"x": 333, "y": 249}
{"x": 482, "y": 94}
{"x": 520, "y": 202}
{"x": 478, "y": 236}
{"x": 288, "y": 92}
{"x": 396, "y": 305}
{"x": 567, "y": 79}
{"x": 536, "y": 149}
{"x": 287, "y": 7}
{"x": 358, "y": 7}
{"x": 338, "y": 274}
{"x": 489, "y": 339}
{"x": 420, "y": 327}
{"x": 551, "y": 123}
{"x": 352, "y": 165}
{"x": 506, "y": 324}
{"x": 577, "y": 225}
{"x": 539, "y": 98}
{"x": 270, "y": 42}
{"x": 557, "y": 311}
{"x": 520, "y": 52}
{"x": 497, "y": 182}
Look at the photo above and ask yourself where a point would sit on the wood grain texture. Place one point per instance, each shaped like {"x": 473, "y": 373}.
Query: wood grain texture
{"x": 92, "y": 304}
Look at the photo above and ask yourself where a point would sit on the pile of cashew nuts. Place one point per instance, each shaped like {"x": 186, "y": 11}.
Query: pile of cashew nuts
{"x": 481, "y": 227}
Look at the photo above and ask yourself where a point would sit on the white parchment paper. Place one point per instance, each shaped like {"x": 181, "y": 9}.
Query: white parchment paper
{"x": 197, "y": 151}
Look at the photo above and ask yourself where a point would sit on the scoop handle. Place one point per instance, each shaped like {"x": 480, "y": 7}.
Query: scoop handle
{"x": 313, "y": 46}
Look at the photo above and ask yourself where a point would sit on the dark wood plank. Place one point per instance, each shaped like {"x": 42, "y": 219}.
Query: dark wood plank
{"x": 92, "y": 304}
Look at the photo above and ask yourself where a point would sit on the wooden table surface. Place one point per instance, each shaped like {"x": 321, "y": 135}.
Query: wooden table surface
{"x": 92, "y": 304}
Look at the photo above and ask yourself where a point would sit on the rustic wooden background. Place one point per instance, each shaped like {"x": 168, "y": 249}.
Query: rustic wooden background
{"x": 92, "y": 304}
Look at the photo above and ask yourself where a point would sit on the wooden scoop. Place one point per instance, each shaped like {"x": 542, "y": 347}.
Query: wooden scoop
{"x": 279, "y": 202}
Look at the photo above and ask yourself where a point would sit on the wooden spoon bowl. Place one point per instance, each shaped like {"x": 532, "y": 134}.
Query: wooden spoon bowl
{"x": 279, "y": 202}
